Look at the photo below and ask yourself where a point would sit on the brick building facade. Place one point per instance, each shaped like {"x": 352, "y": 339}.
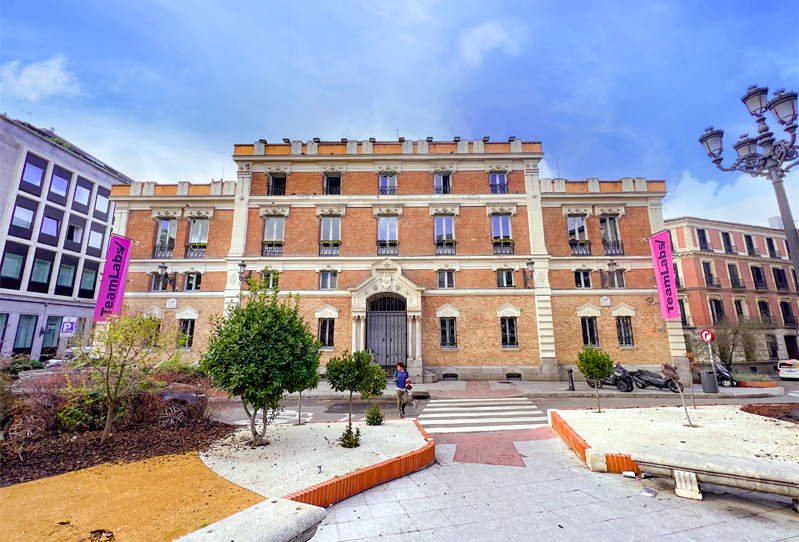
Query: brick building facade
{"x": 417, "y": 250}
{"x": 731, "y": 271}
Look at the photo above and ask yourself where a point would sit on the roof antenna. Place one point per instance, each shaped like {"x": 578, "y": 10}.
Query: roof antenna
{"x": 557, "y": 164}
{"x": 223, "y": 172}
{"x": 397, "y": 134}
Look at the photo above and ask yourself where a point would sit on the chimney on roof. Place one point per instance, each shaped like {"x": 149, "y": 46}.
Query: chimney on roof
{"x": 457, "y": 138}
{"x": 343, "y": 139}
{"x": 286, "y": 140}
{"x": 317, "y": 140}
{"x": 262, "y": 141}
{"x": 402, "y": 140}
{"x": 372, "y": 139}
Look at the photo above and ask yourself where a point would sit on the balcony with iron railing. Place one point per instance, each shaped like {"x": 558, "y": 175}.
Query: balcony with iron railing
{"x": 580, "y": 248}
{"x": 706, "y": 246}
{"x": 613, "y": 248}
{"x": 330, "y": 248}
{"x": 503, "y": 246}
{"x": 331, "y": 190}
{"x": 789, "y": 319}
{"x": 737, "y": 284}
{"x": 387, "y": 190}
{"x": 387, "y": 248}
{"x": 195, "y": 250}
{"x": 276, "y": 190}
{"x": 163, "y": 251}
{"x": 499, "y": 188}
{"x": 774, "y": 253}
{"x": 766, "y": 319}
{"x": 761, "y": 284}
{"x": 712, "y": 282}
{"x": 443, "y": 190}
{"x": 445, "y": 248}
{"x": 782, "y": 285}
{"x": 752, "y": 251}
{"x": 272, "y": 248}
{"x": 730, "y": 249}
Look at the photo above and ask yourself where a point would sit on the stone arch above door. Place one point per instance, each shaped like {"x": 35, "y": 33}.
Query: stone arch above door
{"x": 387, "y": 278}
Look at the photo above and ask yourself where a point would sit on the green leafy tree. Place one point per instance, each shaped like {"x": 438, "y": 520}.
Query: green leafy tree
{"x": 122, "y": 349}
{"x": 261, "y": 349}
{"x": 356, "y": 373}
{"x": 594, "y": 365}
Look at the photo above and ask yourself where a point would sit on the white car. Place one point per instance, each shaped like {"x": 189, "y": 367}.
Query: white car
{"x": 789, "y": 369}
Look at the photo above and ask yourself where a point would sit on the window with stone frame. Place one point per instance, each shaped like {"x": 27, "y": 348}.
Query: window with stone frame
{"x": 788, "y": 317}
{"x": 274, "y": 228}
{"x": 326, "y": 332}
{"x": 683, "y": 314}
{"x": 764, "y": 309}
{"x": 739, "y": 308}
{"x": 616, "y": 279}
{"x": 582, "y": 279}
{"x": 448, "y": 337}
{"x": 773, "y": 346}
{"x": 33, "y": 174}
{"x": 328, "y": 280}
{"x": 193, "y": 281}
{"x": 508, "y": 330}
{"x": 166, "y": 230}
{"x": 387, "y": 184}
{"x": 332, "y": 184}
{"x": 717, "y": 311}
{"x": 624, "y": 330}
{"x": 446, "y": 279}
{"x": 158, "y": 283}
{"x": 590, "y": 331}
{"x": 186, "y": 338}
{"x": 443, "y": 183}
{"x": 272, "y": 279}
{"x": 498, "y": 183}
{"x": 505, "y": 278}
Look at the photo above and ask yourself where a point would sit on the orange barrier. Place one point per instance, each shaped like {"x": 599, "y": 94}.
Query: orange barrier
{"x": 343, "y": 487}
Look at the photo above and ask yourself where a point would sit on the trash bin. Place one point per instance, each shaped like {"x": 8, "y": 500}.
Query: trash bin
{"x": 709, "y": 384}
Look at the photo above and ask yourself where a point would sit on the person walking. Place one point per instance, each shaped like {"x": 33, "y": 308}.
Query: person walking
{"x": 401, "y": 379}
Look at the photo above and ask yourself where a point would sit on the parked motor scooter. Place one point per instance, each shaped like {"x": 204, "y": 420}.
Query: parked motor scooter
{"x": 620, "y": 378}
{"x": 725, "y": 377}
{"x": 643, "y": 378}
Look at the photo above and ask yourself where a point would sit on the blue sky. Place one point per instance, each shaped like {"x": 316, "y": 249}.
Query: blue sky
{"x": 162, "y": 90}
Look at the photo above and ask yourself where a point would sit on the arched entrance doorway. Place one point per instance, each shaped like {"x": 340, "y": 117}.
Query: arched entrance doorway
{"x": 386, "y": 329}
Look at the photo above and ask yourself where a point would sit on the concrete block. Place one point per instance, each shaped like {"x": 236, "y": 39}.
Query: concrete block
{"x": 478, "y": 146}
{"x": 183, "y": 188}
{"x": 229, "y": 188}
{"x": 216, "y": 188}
{"x": 516, "y": 145}
{"x": 596, "y": 460}
{"x": 559, "y": 185}
{"x": 352, "y": 147}
{"x": 685, "y": 485}
{"x": 135, "y": 188}
{"x": 367, "y": 147}
{"x": 407, "y": 147}
{"x": 627, "y": 185}
{"x": 546, "y": 185}
{"x": 463, "y": 146}
{"x": 640, "y": 184}
{"x": 259, "y": 147}
{"x": 593, "y": 185}
{"x": 493, "y": 370}
{"x": 312, "y": 147}
{"x": 273, "y": 520}
{"x": 148, "y": 189}
{"x": 422, "y": 147}
{"x": 296, "y": 147}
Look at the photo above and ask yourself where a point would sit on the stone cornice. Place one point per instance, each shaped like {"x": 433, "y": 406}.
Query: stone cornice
{"x": 500, "y": 209}
{"x": 198, "y": 213}
{"x": 274, "y": 210}
{"x": 278, "y": 167}
{"x": 167, "y": 213}
{"x": 331, "y": 210}
{"x": 498, "y": 166}
{"x": 388, "y": 168}
{"x": 445, "y": 209}
{"x": 577, "y": 210}
{"x": 395, "y": 210}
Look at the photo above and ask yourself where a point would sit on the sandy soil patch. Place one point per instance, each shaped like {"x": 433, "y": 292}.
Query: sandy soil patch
{"x": 153, "y": 500}
{"x": 290, "y": 462}
{"x": 723, "y": 430}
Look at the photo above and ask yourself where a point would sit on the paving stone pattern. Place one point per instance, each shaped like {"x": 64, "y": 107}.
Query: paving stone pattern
{"x": 553, "y": 497}
{"x": 480, "y": 415}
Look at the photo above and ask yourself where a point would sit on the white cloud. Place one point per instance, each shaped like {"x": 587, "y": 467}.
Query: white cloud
{"x": 476, "y": 43}
{"x": 38, "y": 80}
{"x": 748, "y": 200}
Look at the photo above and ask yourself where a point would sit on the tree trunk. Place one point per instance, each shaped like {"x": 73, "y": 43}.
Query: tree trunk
{"x": 109, "y": 419}
{"x": 596, "y": 389}
{"x": 684, "y": 406}
{"x": 262, "y": 437}
{"x": 299, "y": 410}
{"x": 350, "y": 407}
{"x": 693, "y": 400}
{"x": 251, "y": 417}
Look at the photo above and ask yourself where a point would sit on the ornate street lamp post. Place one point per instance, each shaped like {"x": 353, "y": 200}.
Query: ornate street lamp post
{"x": 242, "y": 277}
{"x": 166, "y": 279}
{"x": 776, "y": 158}
{"x": 528, "y": 277}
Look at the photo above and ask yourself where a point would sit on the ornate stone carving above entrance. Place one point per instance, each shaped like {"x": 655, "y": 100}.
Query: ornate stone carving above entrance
{"x": 387, "y": 278}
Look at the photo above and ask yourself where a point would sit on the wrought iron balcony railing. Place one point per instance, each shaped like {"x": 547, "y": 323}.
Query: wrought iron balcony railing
{"x": 737, "y": 284}
{"x": 445, "y": 248}
{"x": 783, "y": 286}
{"x": 387, "y": 190}
{"x": 712, "y": 282}
{"x": 195, "y": 250}
{"x": 706, "y": 246}
{"x": 270, "y": 248}
{"x": 580, "y": 248}
{"x": 761, "y": 285}
{"x": 499, "y": 188}
{"x": 774, "y": 253}
{"x": 613, "y": 248}
{"x": 331, "y": 190}
{"x": 330, "y": 249}
{"x": 730, "y": 249}
{"x": 504, "y": 246}
{"x": 387, "y": 248}
{"x": 752, "y": 251}
{"x": 163, "y": 251}
{"x": 443, "y": 190}
{"x": 789, "y": 319}
{"x": 276, "y": 190}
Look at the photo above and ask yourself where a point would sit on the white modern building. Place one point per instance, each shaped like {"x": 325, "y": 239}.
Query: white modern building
{"x": 55, "y": 219}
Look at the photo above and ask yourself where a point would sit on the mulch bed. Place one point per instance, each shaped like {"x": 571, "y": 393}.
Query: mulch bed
{"x": 786, "y": 412}
{"x": 49, "y": 455}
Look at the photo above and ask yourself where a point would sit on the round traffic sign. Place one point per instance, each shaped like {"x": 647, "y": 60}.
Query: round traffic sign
{"x": 707, "y": 335}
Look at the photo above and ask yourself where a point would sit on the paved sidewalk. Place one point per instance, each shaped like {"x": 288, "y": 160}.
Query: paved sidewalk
{"x": 533, "y": 389}
{"x": 553, "y": 497}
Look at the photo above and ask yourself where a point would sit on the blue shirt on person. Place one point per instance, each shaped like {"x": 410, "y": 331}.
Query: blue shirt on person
{"x": 400, "y": 377}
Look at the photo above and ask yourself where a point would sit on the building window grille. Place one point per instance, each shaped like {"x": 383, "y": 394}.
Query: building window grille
{"x": 759, "y": 278}
{"x": 332, "y": 186}
{"x": 739, "y": 308}
{"x": 735, "y": 278}
{"x": 704, "y": 244}
{"x": 508, "y": 328}
{"x": 729, "y": 248}
{"x": 765, "y": 312}
{"x": 186, "y": 338}
{"x": 609, "y": 226}
{"x": 446, "y": 279}
{"x": 683, "y": 316}
{"x": 498, "y": 183}
{"x": 198, "y": 238}
{"x": 326, "y": 332}
{"x": 505, "y": 278}
{"x": 277, "y": 186}
{"x": 773, "y": 347}
{"x": 582, "y": 279}
{"x": 624, "y": 329}
{"x": 448, "y": 338}
{"x": 165, "y": 239}
{"x": 328, "y": 280}
{"x": 773, "y": 251}
{"x": 590, "y": 332}
{"x": 578, "y": 236}
{"x": 711, "y": 281}
{"x": 443, "y": 184}
{"x": 193, "y": 281}
{"x": 780, "y": 278}
{"x": 388, "y": 184}
{"x": 751, "y": 249}
{"x": 787, "y": 313}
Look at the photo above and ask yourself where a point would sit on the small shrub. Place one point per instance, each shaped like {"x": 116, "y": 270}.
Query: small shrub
{"x": 751, "y": 377}
{"x": 594, "y": 365}
{"x": 21, "y": 363}
{"x": 7, "y": 399}
{"x": 374, "y": 415}
{"x": 350, "y": 439}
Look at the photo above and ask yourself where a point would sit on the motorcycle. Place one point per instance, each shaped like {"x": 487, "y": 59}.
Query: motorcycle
{"x": 643, "y": 378}
{"x": 725, "y": 377}
{"x": 620, "y": 378}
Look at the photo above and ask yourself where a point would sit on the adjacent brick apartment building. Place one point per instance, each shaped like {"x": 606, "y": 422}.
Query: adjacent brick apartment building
{"x": 733, "y": 271}
{"x": 417, "y": 250}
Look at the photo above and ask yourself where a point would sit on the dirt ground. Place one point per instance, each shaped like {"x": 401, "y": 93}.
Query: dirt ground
{"x": 153, "y": 500}
{"x": 786, "y": 412}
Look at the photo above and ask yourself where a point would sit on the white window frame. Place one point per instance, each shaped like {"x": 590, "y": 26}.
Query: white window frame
{"x": 327, "y": 323}
{"x": 274, "y": 228}
{"x": 191, "y": 282}
{"x": 607, "y": 232}
{"x": 386, "y": 226}
{"x": 502, "y": 221}
{"x": 582, "y": 274}
{"x": 328, "y": 280}
{"x": 502, "y": 278}
{"x": 571, "y": 220}
{"x": 330, "y": 227}
{"x": 449, "y": 279}
{"x": 440, "y": 225}
{"x": 438, "y": 182}
{"x": 198, "y": 231}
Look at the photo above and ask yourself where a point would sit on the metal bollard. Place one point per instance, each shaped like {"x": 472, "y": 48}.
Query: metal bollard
{"x": 571, "y": 379}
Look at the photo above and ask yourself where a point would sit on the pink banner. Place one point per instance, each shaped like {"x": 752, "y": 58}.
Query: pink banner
{"x": 660, "y": 244}
{"x": 115, "y": 272}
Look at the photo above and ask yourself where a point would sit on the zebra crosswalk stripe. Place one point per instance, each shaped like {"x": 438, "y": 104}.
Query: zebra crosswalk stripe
{"x": 481, "y": 415}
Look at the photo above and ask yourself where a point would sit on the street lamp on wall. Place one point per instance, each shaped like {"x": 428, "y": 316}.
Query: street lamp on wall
{"x": 166, "y": 279}
{"x": 776, "y": 157}
{"x": 528, "y": 276}
{"x": 242, "y": 277}
{"x": 608, "y": 279}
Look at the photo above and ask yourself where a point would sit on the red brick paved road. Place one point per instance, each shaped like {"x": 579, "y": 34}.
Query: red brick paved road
{"x": 492, "y": 448}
